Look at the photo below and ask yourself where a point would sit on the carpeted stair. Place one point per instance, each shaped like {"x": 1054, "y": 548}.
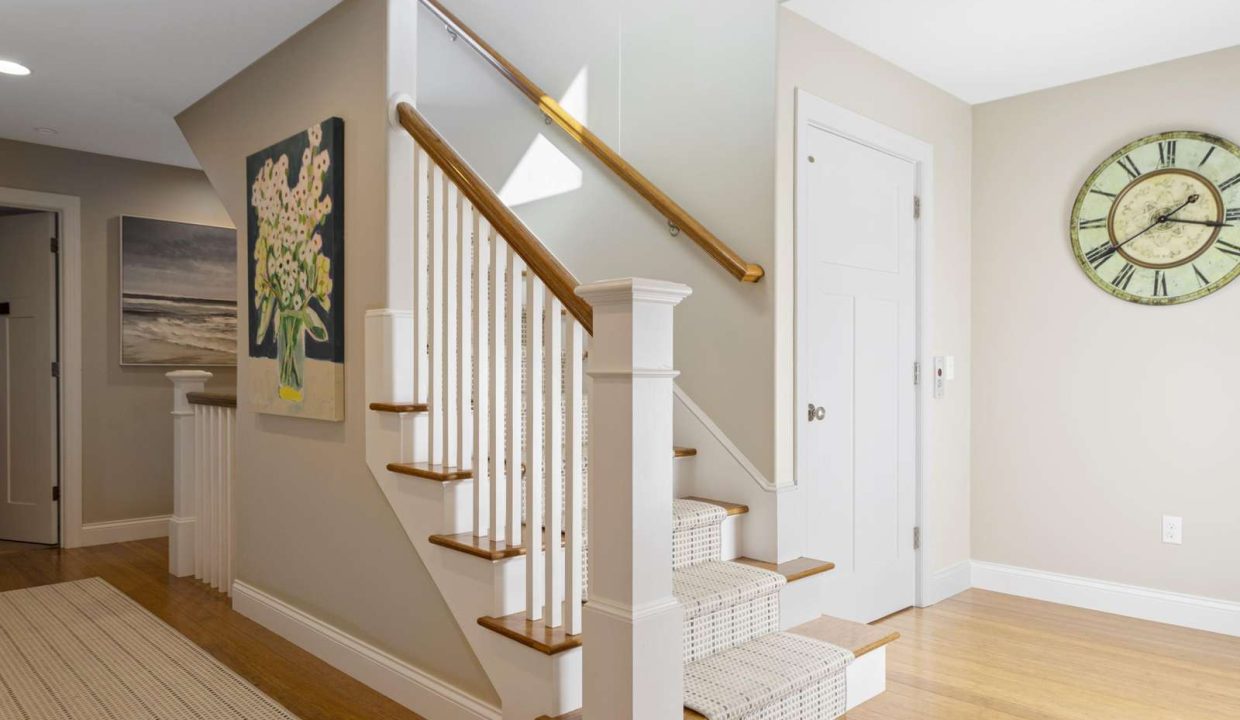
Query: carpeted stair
{"x": 738, "y": 666}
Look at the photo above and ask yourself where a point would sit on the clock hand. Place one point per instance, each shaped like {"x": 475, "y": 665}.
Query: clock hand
{"x": 1166, "y": 217}
{"x": 1207, "y": 223}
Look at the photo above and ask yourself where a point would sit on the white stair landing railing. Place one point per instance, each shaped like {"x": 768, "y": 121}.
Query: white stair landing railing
{"x": 200, "y": 536}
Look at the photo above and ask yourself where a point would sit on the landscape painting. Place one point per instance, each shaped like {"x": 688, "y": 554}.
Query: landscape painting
{"x": 178, "y": 293}
{"x": 295, "y": 272}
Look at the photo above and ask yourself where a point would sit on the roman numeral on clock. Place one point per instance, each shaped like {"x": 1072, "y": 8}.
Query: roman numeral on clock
{"x": 1200, "y": 276}
{"x": 1103, "y": 193}
{"x": 1099, "y": 255}
{"x": 1130, "y": 167}
{"x": 1226, "y": 247}
{"x": 1124, "y": 277}
{"x": 1206, "y": 159}
{"x": 1160, "y": 283}
{"x": 1093, "y": 224}
{"x": 1166, "y": 153}
{"x": 1233, "y": 215}
{"x": 1230, "y": 183}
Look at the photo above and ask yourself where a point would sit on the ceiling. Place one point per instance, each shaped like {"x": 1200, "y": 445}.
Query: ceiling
{"x": 982, "y": 50}
{"x": 109, "y": 76}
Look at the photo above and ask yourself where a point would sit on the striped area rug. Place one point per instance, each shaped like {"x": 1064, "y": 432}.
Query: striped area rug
{"x": 84, "y": 651}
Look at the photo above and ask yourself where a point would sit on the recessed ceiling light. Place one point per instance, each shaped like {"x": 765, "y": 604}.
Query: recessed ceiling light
{"x": 45, "y": 130}
{"x": 8, "y": 67}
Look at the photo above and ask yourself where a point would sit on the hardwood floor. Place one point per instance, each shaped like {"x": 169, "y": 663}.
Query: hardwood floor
{"x": 987, "y": 655}
{"x": 979, "y": 655}
{"x": 308, "y": 687}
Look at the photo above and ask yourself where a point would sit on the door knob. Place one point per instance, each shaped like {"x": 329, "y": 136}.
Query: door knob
{"x": 817, "y": 412}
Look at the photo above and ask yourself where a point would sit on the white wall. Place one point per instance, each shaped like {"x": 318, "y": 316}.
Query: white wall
{"x": 313, "y": 527}
{"x": 685, "y": 91}
{"x": 833, "y": 69}
{"x": 1093, "y": 417}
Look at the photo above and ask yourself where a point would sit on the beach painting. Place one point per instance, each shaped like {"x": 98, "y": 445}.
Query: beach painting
{"x": 178, "y": 293}
{"x": 295, "y": 273}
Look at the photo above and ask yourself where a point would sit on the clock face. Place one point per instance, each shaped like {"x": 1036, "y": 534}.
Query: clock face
{"x": 1159, "y": 222}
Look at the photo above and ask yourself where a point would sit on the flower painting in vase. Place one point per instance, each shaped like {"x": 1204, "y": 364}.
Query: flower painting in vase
{"x": 296, "y": 270}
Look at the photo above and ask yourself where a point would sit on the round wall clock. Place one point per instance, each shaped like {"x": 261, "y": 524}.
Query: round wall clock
{"x": 1158, "y": 222}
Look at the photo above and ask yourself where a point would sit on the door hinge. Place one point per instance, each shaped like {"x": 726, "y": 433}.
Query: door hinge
{"x": 55, "y": 369}
{"x": 916, "y": 372}
{"x": 55, "y": 493}
{"x": 916, "y": 538}
{"x": 55, "y": 244}
{"x": 916, "y": 207}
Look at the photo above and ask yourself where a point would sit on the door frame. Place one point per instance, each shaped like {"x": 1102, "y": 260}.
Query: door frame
{"x": 813, "y": 111}
{"x": 69, "y": 211}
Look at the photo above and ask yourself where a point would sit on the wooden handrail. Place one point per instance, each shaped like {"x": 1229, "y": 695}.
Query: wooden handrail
{"x": 536, "y": 256}
{"x": 676, "y": 215}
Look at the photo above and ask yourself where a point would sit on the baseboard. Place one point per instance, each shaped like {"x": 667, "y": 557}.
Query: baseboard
{"x": 951, "y": 580}
{"x": 103, "y": 533}
{"x": 395, "y": 678}
{"x": 1191, "y": 611}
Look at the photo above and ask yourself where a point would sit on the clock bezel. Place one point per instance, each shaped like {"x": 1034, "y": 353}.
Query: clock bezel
{"x": 1079, "y": 252}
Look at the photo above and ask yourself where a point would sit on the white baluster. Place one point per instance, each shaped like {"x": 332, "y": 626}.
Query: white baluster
{"x": 434, "y": 256}
{"x": 534, "y": 474}
{"x": 217, "y": 499}
{"x": 422, "y": 173}
{"x": 230, "y": 435}
{"x": 481, "y": 390}
{"x": 464, "y": 331}
{"x": 200, "y": 480}
{"x": 573, "y": 479}
{"x": 553, "y": 448}
{"x": 497, "y": 369}
{"x": 514, "y": 384}
{"x": 450, "y": 302}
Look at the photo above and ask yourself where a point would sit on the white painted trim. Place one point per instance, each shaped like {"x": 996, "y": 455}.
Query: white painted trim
{"x": 813, "y": 110}
{"x": 385, "y": 673}
{"x": 69, "y": 208}
{"x": 946, "y": 582}
{"x": 115, "y": 531}
{"x": 866, "y": 677}
{"x": 726, "y": 443}
{"x": 1191, "y": 611}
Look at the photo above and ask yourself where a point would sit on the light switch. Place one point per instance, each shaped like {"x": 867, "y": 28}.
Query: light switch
{"x": 940, "y": 376}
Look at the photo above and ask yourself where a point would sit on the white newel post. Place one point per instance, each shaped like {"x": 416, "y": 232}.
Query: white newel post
{"x": 181, "y": 525}
{"x": 632, "y": 661}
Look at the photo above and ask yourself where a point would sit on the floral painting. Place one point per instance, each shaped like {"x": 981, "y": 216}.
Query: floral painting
{"x": 296, "y": 271}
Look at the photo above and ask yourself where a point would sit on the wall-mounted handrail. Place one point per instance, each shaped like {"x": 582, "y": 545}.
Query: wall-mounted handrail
{"x": 675, "y": 214}
{"x": 536, "y": 256}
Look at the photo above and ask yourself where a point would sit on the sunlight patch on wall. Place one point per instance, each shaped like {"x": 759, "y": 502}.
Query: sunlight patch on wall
{"x": 544, "y": 171}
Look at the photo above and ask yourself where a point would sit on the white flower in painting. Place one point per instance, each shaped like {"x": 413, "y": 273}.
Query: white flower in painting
{"x": 290, "y": 269}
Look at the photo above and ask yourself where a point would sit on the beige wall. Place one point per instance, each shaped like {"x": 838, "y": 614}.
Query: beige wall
{"x": 313, "y": 527}
{"x": 126, "y": 429}
{"x": 1093, "y": 416}
{"x": 825, "y": 65}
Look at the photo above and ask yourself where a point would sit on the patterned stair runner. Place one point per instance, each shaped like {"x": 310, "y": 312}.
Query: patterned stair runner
{"x": 738, "y": 666}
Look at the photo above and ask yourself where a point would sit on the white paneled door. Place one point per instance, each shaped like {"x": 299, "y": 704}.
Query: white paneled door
{"x": 857, "y": 343}
{"x": 27, "y": 388}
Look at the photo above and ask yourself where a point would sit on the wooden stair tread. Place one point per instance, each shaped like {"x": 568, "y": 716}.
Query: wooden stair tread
{"x": 858, "y": 638}
{"x": 399, "y": 407}
{"x": 792, "y": 570}
{"x": 536, "y": 635}
{"x": 482, "y": 547}
{"x": 683, "y": 452}
{"x": 427, "y": 471}
{"x": 730, "y": 507}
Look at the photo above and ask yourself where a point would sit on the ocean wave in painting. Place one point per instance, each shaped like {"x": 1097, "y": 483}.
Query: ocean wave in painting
{"x": 163, "y": 330}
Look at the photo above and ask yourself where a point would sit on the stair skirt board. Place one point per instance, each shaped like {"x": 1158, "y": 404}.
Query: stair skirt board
{"x": 781, "y": 675}
{"x": 422, "y": 693}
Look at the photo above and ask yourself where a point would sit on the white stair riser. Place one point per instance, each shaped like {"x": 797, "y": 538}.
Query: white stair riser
{"x": 867, "y": 677}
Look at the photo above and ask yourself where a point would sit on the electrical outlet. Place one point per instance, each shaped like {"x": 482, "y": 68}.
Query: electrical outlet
{"x": 1173, "y": 529}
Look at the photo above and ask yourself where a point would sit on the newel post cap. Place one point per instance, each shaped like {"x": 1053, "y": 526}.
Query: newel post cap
{"x": 622, "y": 291}
{"x": 182, "y": 376}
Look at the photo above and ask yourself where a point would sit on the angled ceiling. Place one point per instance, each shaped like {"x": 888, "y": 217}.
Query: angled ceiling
{"x": 110, "y": 76}
{"x": 982, "y": 50}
